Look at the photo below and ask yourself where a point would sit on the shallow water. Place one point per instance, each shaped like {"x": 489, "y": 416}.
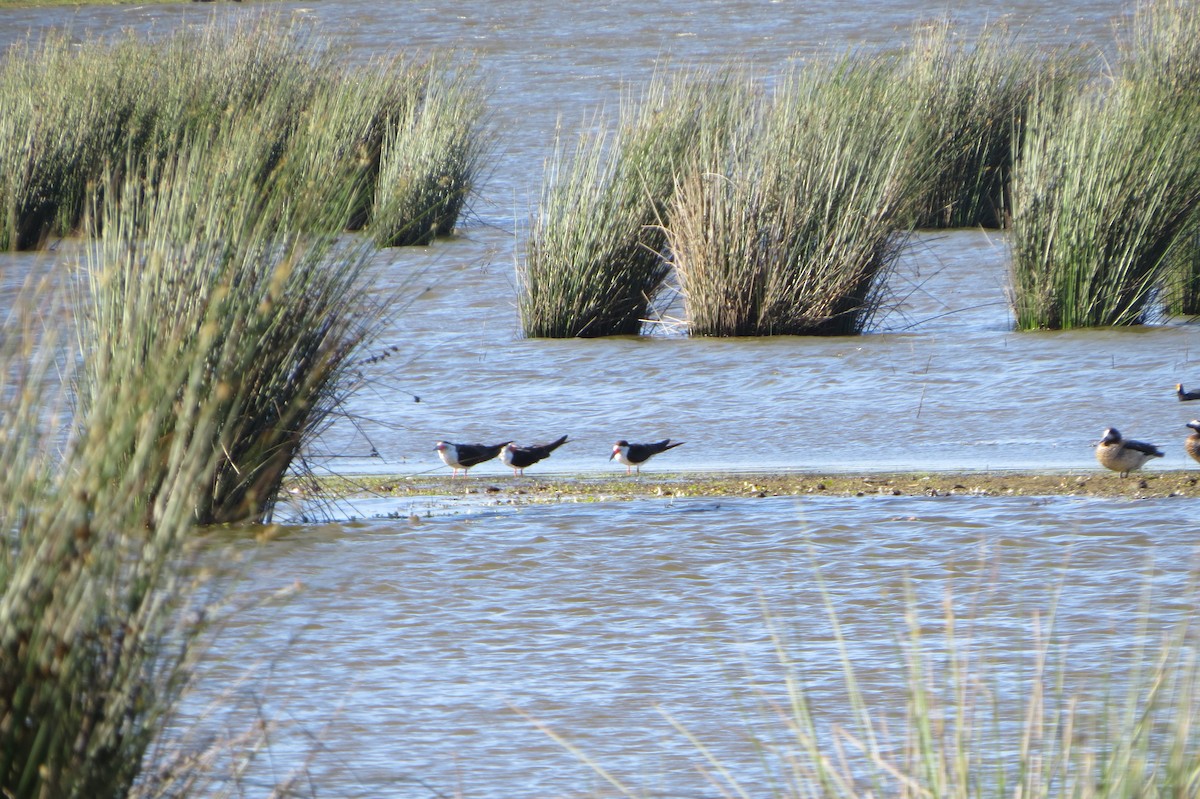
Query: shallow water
{"x": 411, "y": 648}
{"x": 406, "y": 645}
{"x": 941, "y": 383}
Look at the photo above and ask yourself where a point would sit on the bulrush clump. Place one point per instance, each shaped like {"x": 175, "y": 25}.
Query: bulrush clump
{"x": 1107, "y": 184}
{"x": 791, "y": 229}
{"x": 594, "y": 258}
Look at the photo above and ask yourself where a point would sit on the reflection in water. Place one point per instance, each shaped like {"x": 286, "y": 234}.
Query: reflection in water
{"x": 411, "y": 645}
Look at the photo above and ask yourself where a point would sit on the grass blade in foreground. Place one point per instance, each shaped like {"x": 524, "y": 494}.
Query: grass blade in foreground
{"x": 962, "y": 726}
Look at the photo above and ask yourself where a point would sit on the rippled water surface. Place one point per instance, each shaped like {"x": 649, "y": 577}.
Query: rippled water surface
{"x": 406, "y": 648}
{"x": 415, "y": 648}
{"x": 941, "y": 383}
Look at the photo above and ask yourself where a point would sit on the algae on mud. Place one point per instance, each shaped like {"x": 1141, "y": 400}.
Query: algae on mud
{"x": 590, "y": 487}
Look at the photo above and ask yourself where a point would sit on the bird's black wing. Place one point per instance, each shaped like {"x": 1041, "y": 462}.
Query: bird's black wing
{"x": 1142, "y": 446}
{"x": 474, "y": 454}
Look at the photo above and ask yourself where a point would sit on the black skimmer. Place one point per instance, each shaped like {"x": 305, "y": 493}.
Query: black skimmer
{"x": 637, "y": 454}
{"x": 464, "y": 456}
{"x": 1192, "y": 443}
{"x": 1121, "y": 454}
{"x": 1185, "y": 396}
{"x": 520, "y": 457}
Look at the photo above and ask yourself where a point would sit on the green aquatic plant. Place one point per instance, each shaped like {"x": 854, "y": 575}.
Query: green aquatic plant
{"x": 76, "y": 113}
{"x": 792, "y": 229}
{"x": 430, "y": 159}
{"x": 1160, "y": 53}
{"x": 1105, "y": 186}
{"x": 198, "y": 261}
{"x": 974, "y": 95}
{"x": 96, "y": 611}
{"x": 65, "y": 113}
{"x": 594, "y": 257}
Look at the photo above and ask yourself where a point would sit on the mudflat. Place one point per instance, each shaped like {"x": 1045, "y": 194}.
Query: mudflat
{"x": 599, "y": 488}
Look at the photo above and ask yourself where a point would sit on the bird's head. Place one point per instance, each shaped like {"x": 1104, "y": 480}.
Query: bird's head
{"x": 441, "y": 446}
{"x": 617, "y": 447}
{"x": 1111, "y": 436}
{"x": 1195, "y": 425}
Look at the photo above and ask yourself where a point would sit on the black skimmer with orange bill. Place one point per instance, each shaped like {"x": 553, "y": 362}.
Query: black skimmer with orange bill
{"x": 1122, "y": 454}
{"x": 1185, "y": 396}
{"x": 520, "y": 457}
{"x": 464, "y": 456}
{"x": 637, "y": 454}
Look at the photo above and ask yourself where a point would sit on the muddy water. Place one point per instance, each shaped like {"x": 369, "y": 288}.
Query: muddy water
{"x": 398, "y": 663}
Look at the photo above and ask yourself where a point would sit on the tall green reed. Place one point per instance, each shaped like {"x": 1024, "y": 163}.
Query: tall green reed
{"x": 198, "y": 238}
{"x": 1103, "y": 189}
{"x": 74, "y": 114}
{"x": 1160, "y": 53}
{"x": 431, "y": 159}
{"x": 594, "y": 257}
{"x": 792, "y": 230}
{"x": 95, "y": 611}
{"x": 65, "y": 112}
{"x": 974, "y": 96}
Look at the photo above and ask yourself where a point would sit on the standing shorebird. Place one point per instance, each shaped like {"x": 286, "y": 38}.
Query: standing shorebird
{"x": 1121, "y": 454}
{"x": 520, "y": 457}
{"x": 637, "y": 454}
{"x": 464, "y": 456}
{"x": 1192, "y": 443}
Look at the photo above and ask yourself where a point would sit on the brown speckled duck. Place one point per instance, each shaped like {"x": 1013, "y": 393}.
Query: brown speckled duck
{"x": 1192, "y": 443}
{"x": 1123, "y": 455}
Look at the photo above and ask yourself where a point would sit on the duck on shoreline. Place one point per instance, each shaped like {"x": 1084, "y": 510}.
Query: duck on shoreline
{"x": 1122, "y": 454}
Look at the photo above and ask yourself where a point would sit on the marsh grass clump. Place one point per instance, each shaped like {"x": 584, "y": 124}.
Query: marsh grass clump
{"x": 1108, "y": 184}
{"x": 97, "y": 613}
{"x": 594, "y": 257}
{"x": 198, "y": 261}
{"x": 430, "y": 160}
{"x": 340, "y": 133}
{"x": 974, "y": 97}
{"x": 1161, "y": 54}
{"x": 77, "y": 113}
{"x": 791, "y": 231}
{"x": 64, "y": 114}
{"x": 1104, "y": 188}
